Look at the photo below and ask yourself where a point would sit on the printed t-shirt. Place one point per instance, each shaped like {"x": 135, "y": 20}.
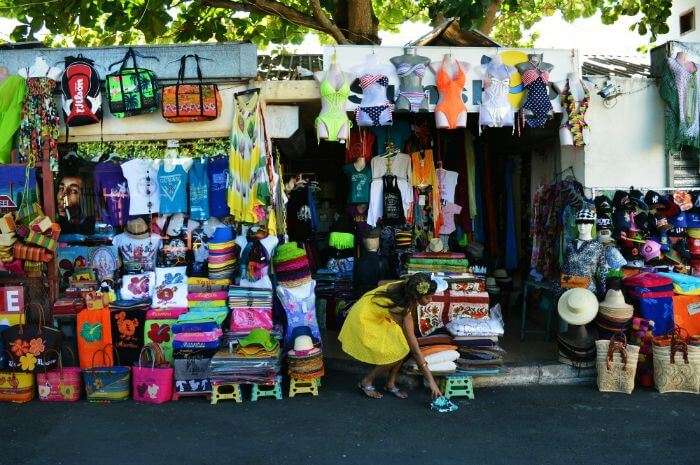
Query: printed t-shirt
{"x": 138, "y": 252}
{"x": 173, "y": 189}
{"x": 360, "y": 182}
{"x": 142, "y": 177}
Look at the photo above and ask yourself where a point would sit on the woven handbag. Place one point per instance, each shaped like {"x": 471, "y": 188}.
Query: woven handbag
{"x": 616, "y": 364}
{"x": 106, "y": 383}
{"x": 132, "y": 91}
{"x": 62, "y": 384}
{"x": 16, "y": 387}
{"x": 676, "y": 364}
{"x": 182, "y": 103}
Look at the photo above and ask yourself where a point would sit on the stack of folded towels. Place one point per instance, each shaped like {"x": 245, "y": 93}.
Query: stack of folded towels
{"x": 451, "y": 263}
{"x": 305, "y": 361}
{"x": 255, "y": 359}
{"x": 224, "y": 253}
{"x": 477, "y": 342}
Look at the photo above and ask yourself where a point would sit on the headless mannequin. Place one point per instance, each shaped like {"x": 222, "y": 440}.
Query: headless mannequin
{"x": 579, "y": 90}
{"x": 410, "y": 82}
{"x": 375, "y": 94}
{"x": 534, "y": 61}
{"x": 336, "y": 77}
{"x": 41, "y": 69}
{"x": 450, "y": 66}
{"x": 495, "y": 109}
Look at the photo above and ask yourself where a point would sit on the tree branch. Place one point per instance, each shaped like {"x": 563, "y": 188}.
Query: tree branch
{"x": 490, "y": 17}
{"x": 270, "y": 7}
{"x": 321, "y": 17}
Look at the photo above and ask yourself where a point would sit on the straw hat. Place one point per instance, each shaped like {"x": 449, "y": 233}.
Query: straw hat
{"x": 614, "y": 305}
{"x": 436, "y": 245}
{"x": 578, "y": 306}
{"x": 304, "y": 347}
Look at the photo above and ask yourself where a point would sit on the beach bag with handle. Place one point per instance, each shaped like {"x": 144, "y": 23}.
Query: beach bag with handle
{"x": 32, "y": 347}
{"x": 676, "y": 363}
{"x": 94, "y": 333}
{"x": 182, "y": 103}
{"x": 16, "y": 387}
{"x": 132, "y": 90}
{"x": 62, "y": 384}
{"x": 105, "y": 382}
{"x": 616, "y": 364}
{"x": 152, "y": 380}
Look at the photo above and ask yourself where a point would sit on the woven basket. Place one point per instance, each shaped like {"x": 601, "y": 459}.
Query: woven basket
{"x": 616, "y": 363}
{"x": 677, "y": 368}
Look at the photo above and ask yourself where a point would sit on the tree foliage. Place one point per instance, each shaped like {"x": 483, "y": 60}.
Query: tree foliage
{"x": 96, "y": 22}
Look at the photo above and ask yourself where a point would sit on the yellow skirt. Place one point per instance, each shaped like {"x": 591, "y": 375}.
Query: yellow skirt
{"x": 371, "y": 335}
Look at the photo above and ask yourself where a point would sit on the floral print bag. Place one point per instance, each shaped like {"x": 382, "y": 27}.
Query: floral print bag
{"x": 182, "y": 103}
{"x": 32, "y": 346}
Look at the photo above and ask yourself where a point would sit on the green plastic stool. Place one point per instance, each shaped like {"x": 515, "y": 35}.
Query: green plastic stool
{"x": 457, "y": 386}
{"x": 226, "y": 391}
{"x": 259, "y": 390}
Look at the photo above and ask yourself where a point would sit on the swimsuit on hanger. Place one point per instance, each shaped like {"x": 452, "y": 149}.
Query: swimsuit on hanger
{"x": 495, "y": 110}
{"x": 688, "y": 88}
{"x": 379, "y": 115}
{"x": 450, "y": 104}
{"x": 415, "y": 98}
{"x": 537, "y": 100}
{"x": 575, "y": 121}
{"x": 334, "y": 118}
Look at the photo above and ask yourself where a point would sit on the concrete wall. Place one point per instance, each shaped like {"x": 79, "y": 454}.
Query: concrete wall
{"x": 679, "y": 7}
{"x": 626, "y": 143}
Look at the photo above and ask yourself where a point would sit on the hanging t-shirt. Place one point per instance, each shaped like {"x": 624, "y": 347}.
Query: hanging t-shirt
{"x": 448, "y": 217}
{"x": 142, "y": 178}
{"x": 138, "y": 252}
{"x": 176, "y": 239}
{"x": 299, "y": 215}
{"x": 393, "y": 205}
{"x": 360, "y": 144}
{"x": 199, "y": 190}
{"x": 448, "y": 184}
{"x": 218, "y": 185}
{"x": 173, "y": 189}
{"x": 360, "y": 182}
{"x": 112, "y": 193}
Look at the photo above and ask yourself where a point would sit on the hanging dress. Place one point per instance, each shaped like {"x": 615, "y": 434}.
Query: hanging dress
{"x": 537, "y": 99}
{"x": 39, "y": 128}
{"x": 575, "y": 115}
{"x": 12, "y": 92}
{"x": 249, "y": 189}
{"x": 334, "y": 117}
{"x": 426, "y": 189}
{"x": 398, "y": 165}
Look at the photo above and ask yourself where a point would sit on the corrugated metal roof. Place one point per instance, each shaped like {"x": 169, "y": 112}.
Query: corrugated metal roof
{"x": 611, "y": 65}
{"x": 285, "y": 67}
{"x": 449, "y": 33}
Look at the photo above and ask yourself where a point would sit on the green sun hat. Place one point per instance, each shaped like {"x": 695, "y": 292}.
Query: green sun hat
{"x": 261, "y": 337}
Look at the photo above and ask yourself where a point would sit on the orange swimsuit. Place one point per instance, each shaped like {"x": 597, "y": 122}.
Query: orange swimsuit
{"x": 450, "y": 104}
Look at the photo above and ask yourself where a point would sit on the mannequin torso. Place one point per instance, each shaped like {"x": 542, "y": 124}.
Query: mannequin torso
{"x": 410, "y": 69}
{"x": 450, "y": 76}
{"x": 333, "y": 123}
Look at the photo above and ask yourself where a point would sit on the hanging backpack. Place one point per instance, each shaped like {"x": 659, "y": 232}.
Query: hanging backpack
{"x": 132, "y": 91}
{"x": 82, "y": 98}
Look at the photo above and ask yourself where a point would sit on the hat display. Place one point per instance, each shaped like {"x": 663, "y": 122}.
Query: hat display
{"x": 261, "y": 337}
{"x": 303, "y": 346}
{"x": 655, "y": 200}
{"x": 614, "y": 314}
{"x": 603, "y": 205}
{"x": 137, "y": 226}
{"x": 305, "y": 360}
{"x": 615, "y": 301}
{"x": 636, "y": 199}
{"x": 586, "y": 216}
{"x": 651, "y": 250}
{"x": 436, "y": 245}
{"x": 291, "y": 265}
{"x": 577, "y": 306}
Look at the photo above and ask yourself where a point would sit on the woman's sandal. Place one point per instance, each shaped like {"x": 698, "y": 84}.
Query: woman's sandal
{"x": 369, "y": 390}
{"x": 396, "y": 392}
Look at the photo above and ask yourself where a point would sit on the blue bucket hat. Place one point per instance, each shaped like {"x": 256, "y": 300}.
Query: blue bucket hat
{"x": 222, "y": 234}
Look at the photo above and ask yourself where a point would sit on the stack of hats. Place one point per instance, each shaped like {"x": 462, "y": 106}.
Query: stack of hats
{"x": 342, "y": 259}
{"x": 305, "y": 361}
{"x": 291, "y": 265}
{"x": 255, "y": 359}
{"x": 614, "y": 314}
{"x": 223, "y": 253}
{"x": 577, "y": 307}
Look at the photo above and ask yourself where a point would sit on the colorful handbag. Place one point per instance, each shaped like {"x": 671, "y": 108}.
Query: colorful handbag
{"x": 132, "y": 91}
{"x": 152, "y": 384}
{"x": 16, "y": 387}
{"x": 30, "y": 345}
{"x": 62, "y": 384}
{"x": 182, "y": 103}
{"x": 94, "y": 332}
{"x": 106, "y": 383}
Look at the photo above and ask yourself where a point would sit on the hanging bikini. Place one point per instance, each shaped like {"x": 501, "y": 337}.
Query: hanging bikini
{"x": 451, "y": 104}
{"x": 374, "y": 115}
{"x": 537, "y": 100}
{"x": 334, "y": 118}
{"x": 495, "y": 110}
{"x": 415, "y": 98}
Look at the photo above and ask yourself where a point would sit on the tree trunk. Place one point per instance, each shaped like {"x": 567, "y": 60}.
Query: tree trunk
{"x": 362, "y": 24}
{"x": 490, "y": 17}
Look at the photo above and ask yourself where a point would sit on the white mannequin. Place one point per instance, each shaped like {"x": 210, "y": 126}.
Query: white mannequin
{"x": 578, "y": 89}
{"x": 585, "y": 233}
{"x": 336, "y": 77}
{"x": 450, "y": 66}
{"x": 375, "y": 94}
{"x": 41, "y": 69}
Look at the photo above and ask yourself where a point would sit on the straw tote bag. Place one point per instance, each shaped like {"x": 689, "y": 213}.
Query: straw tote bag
{"x": 616, "y": 363}
{"x": 106, "y": 383}
{"x": 62, "y": 384}
{"x": 16, "y": 387}
{"x": 676, "y": 364}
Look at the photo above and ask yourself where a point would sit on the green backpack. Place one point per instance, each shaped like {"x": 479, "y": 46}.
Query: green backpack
{"x": 132, "y": 91}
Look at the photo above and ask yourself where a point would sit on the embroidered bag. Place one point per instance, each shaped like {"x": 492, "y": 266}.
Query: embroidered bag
{"x": 104, "y": 381}
{"x": 127, "y": 333}
{"x": 132, "y": 91}
{"x": 94, "y": 333}
{"x": 16, "y": 387}
{"x": 62, "y": 384}
{"x": 152, "y": 381}
{"x": 182, "y": 103}
{"x": 32, "y": 346}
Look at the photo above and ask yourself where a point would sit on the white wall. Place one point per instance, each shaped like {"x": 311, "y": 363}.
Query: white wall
{"x": 626, "y": 143}
{"x": 678, "y": 7}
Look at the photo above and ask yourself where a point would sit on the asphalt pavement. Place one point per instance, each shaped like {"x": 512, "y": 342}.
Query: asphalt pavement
{"x": 508, "y": 425}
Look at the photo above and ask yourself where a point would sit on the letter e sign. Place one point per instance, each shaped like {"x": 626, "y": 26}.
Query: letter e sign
{"x": 12, "y": 299}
